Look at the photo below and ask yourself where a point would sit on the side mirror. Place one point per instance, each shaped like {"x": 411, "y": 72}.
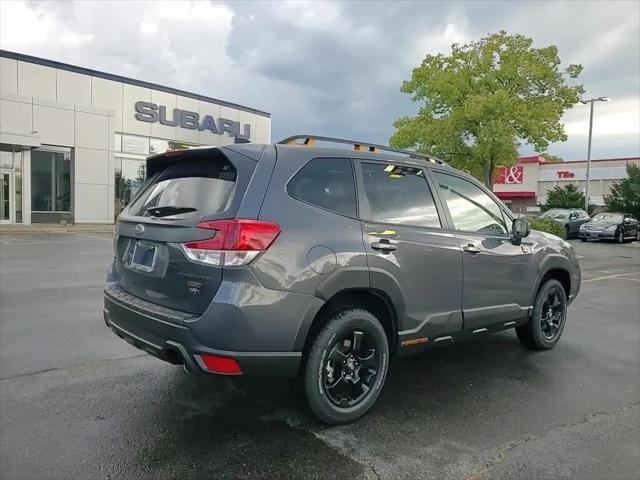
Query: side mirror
{"x": 626, "y": 221}
{"x": 519, "y": 230}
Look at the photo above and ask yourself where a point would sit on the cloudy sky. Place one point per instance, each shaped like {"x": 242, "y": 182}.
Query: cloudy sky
{"x": 336, "y": 68}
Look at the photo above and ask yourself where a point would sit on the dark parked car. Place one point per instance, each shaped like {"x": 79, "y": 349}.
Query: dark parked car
{"x": 325, "y": 263}
{"x": 611, "y": 226}
{"x": 570, "y": 218}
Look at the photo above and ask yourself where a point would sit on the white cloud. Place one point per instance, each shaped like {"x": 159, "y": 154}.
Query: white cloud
{"x": 620, "y": 117}
{"x": 334, "y": 67}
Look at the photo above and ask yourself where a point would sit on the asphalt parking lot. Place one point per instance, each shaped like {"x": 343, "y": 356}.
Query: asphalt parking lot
{"x": 77, "y": 402}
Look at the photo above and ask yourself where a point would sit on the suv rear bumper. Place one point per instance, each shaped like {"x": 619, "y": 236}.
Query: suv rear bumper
{"x": 178, "y": 344}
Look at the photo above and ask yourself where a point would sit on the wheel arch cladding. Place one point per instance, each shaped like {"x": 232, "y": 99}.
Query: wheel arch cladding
{"x": 378, "y": 303}
{"x": 560, "y": 274}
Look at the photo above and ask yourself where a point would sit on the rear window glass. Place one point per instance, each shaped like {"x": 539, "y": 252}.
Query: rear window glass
{"x": 188, "y": 188}
{"x": 327, "y": 183}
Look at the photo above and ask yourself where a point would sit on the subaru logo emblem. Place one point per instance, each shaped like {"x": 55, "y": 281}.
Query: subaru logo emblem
{"x": 138, "y": 229}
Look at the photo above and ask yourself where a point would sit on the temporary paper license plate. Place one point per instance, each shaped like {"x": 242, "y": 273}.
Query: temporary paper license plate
{"x": 144, "y": 256}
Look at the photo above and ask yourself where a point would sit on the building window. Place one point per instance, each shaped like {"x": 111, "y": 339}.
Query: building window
{"x": 129, "y": 175}
{"x": 50, "y": 181}
{"x": 11, "y": 174}
{"x": 135, "y": 145}
{"x": 158, "y": 146}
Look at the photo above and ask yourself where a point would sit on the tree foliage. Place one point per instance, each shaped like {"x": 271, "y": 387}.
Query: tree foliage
{"x": 625, "y": 194}
{"x": 565, "y": 197}
{"x": 548, "y": 158}
{"x": 486, "y": 97}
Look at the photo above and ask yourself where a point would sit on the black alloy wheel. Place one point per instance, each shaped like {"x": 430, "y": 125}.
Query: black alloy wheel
{"x": 351, "y": 368}
{"x": 552, "y": 315}
{"x": 545, "y": 327}
{"x": 346, "y": 366}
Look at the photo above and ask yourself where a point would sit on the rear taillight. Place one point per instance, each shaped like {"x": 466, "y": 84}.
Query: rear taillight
{"x": 235, "y": 243}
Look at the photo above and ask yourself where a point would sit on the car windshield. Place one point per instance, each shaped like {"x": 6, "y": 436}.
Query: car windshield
{"x": 556, "y": 214}
{"x": 608, "y": 218}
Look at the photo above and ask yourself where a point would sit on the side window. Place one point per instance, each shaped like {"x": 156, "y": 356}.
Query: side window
{"x": 327, "y": 183}
{"x": 472, "y": 210}
{"x": 398, "y": 194}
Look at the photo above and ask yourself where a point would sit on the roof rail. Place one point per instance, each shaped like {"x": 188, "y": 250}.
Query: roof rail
{"x": 310, "y": 141}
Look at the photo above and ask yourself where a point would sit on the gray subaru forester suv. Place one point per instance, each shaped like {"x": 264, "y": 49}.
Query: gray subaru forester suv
{"x": 325, "y": 262}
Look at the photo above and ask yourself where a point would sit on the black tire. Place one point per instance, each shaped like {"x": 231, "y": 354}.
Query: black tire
{"x": 536, "y": 334}
{"x": 583, "y": 239}
{"x": 620, "y": 236}
{"x": 319, "y": 368}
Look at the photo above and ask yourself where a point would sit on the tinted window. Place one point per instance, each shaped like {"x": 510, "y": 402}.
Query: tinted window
{"x": 608, "y": 218}
{"x": 556, "y": 214}
{"x": 472, "y": 210}
{"x": 326, "y": 183}
{"x": 398, "y": 194}
{"x": 187, "y": 189}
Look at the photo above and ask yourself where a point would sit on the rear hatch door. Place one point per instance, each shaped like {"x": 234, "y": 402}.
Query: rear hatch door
{"x": 182, "y": 190}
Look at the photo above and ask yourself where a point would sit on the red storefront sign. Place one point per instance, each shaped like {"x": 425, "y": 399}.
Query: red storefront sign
{"x": 565, "y": 174}
{"x": 509, "y": 175}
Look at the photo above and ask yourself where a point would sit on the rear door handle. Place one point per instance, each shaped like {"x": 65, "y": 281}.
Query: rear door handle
{"x": 471, "y": 248}
{"x": 384, "y": 246}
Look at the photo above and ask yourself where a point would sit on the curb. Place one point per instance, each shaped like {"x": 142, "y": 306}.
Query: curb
{"x": 40, "y": 229}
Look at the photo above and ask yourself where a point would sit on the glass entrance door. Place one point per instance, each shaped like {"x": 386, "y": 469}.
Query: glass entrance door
{"x": 6, "y": 196}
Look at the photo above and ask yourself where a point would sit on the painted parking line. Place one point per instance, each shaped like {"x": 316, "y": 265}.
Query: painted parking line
{"x": 610, "y": 276}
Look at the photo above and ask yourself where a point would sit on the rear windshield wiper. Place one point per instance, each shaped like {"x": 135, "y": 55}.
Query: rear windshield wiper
{"x": 168, "y": 210}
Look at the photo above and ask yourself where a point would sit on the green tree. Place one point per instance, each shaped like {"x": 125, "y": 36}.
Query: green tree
{"x": 625, "y": 194}
{"x": 483, "y": 99}
{"x": 551, "y": 158}
{"x": 565, "y": 197}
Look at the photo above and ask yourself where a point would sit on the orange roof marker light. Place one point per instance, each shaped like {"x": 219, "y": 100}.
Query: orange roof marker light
{"x": 311, "y": 141}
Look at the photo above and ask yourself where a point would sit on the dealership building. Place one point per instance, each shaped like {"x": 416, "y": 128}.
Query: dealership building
{"x": 524, "y": 186}
{"x": 73, "y": 141}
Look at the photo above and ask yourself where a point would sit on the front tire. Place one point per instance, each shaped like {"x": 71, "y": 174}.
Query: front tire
{"x": 545, "y": 327}
{"x": 346, "y": 366}
{"x": 620, "y": 236}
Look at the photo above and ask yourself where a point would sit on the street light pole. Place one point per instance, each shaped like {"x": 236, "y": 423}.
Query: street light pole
{"x": 588, "y": 177}
{"x": 591, "y": 101}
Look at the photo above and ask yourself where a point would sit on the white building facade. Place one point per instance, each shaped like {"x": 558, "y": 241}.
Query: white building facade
{"x": 73, "y": 141}
{"x": 524, "y": 187}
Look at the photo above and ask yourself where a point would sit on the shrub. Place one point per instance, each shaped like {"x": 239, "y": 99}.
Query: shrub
{"x": 548, "y": 225}
{"x": 625, "y": 194}
{"x": 564, "y": 197}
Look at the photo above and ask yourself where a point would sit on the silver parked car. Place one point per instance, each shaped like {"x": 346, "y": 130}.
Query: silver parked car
{"x": 570, "y": 218}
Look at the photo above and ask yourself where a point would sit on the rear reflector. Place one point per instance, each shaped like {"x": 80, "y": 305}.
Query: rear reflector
{"x": 235, "y": 242}
{"x": 222, "y": 365}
